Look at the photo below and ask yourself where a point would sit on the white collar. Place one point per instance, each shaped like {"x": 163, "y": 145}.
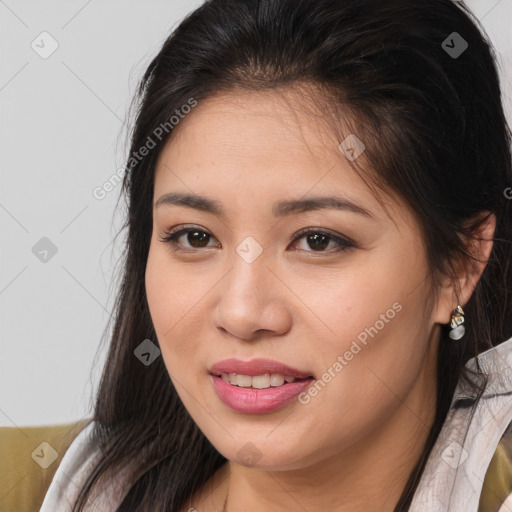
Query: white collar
{"x": 496, "y": 362}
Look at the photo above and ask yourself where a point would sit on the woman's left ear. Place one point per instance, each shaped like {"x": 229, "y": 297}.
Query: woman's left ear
{"x": 459, "y": 290}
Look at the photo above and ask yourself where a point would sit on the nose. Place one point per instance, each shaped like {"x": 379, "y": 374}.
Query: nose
{"x": 252, "y": 302}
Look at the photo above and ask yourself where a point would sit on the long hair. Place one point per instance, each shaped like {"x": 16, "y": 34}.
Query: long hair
{"x": 431, "y": 116}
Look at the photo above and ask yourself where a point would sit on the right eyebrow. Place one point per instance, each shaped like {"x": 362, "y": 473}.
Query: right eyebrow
{"x": 279, "y": 209}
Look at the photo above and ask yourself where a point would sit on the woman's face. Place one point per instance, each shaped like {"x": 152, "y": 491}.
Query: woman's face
{"x": 344, "y": 304}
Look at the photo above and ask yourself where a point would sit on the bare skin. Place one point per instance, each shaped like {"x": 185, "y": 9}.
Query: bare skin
{"x": 352, "y": 446}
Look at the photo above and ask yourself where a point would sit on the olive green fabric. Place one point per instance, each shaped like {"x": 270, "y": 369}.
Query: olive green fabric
{"x": 27, "y": 466}
{"x": 498, "y": 478}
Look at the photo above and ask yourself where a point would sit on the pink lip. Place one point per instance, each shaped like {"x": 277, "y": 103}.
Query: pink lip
{"x": 258, "y": 401}
{"x": 256, "y": 367}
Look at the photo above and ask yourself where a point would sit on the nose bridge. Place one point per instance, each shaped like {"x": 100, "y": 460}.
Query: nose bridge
{"x": 249, "y": 298}
{"x": 248, "y": 279}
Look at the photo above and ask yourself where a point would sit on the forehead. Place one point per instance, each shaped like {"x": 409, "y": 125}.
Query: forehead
{"x": 263, "y": 145}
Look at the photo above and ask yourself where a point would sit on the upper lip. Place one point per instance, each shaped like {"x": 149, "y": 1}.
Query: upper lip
{"x": 256, "y": 367}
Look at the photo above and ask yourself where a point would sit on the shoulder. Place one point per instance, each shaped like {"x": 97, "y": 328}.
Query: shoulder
{"x": 492, "y": 437}
{"x": 474, "y": 444}
{"x": 77, "y": 464}
{"x": 72, "y": 472}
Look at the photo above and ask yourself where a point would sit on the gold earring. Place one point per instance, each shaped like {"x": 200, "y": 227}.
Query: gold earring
{"x": 457, "y": 324}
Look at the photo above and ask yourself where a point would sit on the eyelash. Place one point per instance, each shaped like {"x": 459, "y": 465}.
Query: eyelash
{"x": 171, "y": 236}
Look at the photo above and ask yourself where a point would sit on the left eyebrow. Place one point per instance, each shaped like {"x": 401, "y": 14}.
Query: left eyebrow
{"x": 196, "y": 202}
{"x": 279, "y": 209}
{"x": 292, "y": 206}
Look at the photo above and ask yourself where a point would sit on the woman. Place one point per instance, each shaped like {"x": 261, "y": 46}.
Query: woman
{"x": 315, "y": 310}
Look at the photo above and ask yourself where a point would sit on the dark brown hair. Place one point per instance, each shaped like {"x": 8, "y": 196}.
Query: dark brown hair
{"x": 435, "y": 132}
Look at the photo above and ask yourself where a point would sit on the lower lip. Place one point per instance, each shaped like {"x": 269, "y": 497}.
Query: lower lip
{"x": 258, "y": 401}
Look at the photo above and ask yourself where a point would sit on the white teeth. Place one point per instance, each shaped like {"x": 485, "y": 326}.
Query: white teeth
{"x": 257, "y": 381}
{"x": 260, "y": 381}
{"x": 244, "y": 381}
{"x": 276, "y": 379}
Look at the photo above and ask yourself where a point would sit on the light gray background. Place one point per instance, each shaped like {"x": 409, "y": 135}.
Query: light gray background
{"x": 62, "y": 133}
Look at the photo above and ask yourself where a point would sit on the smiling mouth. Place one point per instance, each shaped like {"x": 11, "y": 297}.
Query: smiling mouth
{"x": 263, "y": 381}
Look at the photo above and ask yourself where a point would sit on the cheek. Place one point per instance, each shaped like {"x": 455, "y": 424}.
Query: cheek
{"x": 374, "y": 329}
{"x": 355, "y": 302}
{"x": 174, "y": 300}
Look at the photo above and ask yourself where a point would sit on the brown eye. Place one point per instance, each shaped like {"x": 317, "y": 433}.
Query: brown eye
{"x": 319, "y": 241}
{"x": 192, "y": 238}
{"x": 196, "y": 238}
